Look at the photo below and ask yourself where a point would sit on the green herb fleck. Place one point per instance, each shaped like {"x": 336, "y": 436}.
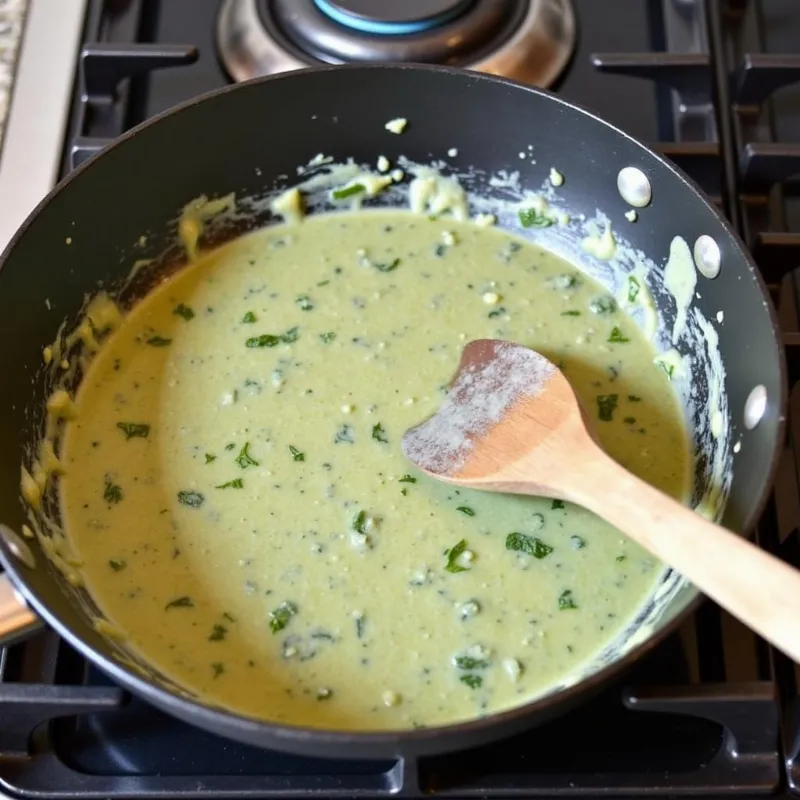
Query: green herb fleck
{"x": 360, "y": 522}
{"x": 249, "y": 318}
{"x": 158, "y": 341}
{"x": 244, "y": 459}
{"x": 557, "y": 504}
{"x": 279, "y": 618}
{"x": 230, "y": 446}
{"x": 468, "y": 662}
{"x": 236, "y": 483}
{"x": 193, "y": 499}
{"x": 603, "y": 305}
{"x": 112, "y": 492}
{"x": 344, "y": 434}
{"x": 404, "y": 492}
{"x": 271, "y": 340}
{"x": 497, "y": 312}
{"x": 565, "y": 601}
{"x": 389, "y": 266}
{"x": 571, "y": 313}
{"x": 290, "y": 336}
{"x": 521, "y": 543}
{"x": 668, "y": 368}
{"x": 210, "y": 458}
{"x": 530, "y": 218}
{"x": 305, "y": 303}
{"x": 452, "y": 557}
{"x": 134, "y": 430}
{"x": 473, "y": 681}
{"x": 634, "y": 287}
{"x": 296, "y": 454}
{"x": 218, "y": 633}
{"x": 620, "y": 559}
{"x": 408, "y": 479}
{"x": 183, "y": 311}
{"x": 323, "y": 283}
{"x": 180, "y": 602}
{"x": 629, "y": 420}
{"x": 379, "y": 434}
{"x": 617, "y": 336}
{"x": 328, "y": 337}
{"x": 606, "y": 405}
{"x": 117, "y": 564}
{"x": 348, "y": 191}
{"x": 218, "y": 668}
{"x": 466, "y": 510}
{"x": 634, "y": 398}
{"x": 577, "y": 543}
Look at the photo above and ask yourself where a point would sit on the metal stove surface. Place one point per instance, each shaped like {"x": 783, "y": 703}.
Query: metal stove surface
{"x": 712, "y": 712}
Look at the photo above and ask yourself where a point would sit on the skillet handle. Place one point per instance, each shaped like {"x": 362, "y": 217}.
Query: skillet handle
{"x": 17, "y": 621}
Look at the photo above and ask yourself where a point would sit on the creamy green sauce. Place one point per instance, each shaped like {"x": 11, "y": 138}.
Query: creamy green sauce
{"x": 236, "y": 494}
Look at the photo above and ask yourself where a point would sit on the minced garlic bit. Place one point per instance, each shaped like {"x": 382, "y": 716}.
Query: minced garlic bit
{"x": 513, "y": 668}
{"x": 348, "y": 409}
{"x": 383, "y": 164}
{"x": 397, "y": 175}
{"x": 491, "y": 298}
{"x": 556, "y": 178}
{"x": 448, "y": 238}
{"x": 397, "y": 125}
{"x": 391, "y": 698}
{"x": 469, "y": 609}
{"x": 631, "y": 215}
{"x": 452, "y": 152}
{"x": 47, "y": 355}
{"x": 484, "y": 220}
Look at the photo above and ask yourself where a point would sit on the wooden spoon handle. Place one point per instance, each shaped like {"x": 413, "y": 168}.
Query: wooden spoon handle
{"x": 759, "y": 589}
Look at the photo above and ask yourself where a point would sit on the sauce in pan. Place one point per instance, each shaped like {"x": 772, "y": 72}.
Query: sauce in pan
{"x": 236, "y": 490}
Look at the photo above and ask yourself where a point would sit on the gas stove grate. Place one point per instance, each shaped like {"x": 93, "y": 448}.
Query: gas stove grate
{"x": 714, "y": 711}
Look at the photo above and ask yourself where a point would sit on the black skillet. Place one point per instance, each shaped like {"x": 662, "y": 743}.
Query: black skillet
{"x": 246, "y": 139}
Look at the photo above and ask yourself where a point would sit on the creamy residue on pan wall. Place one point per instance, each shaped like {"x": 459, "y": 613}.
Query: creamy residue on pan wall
{"x": 633, "y": 281}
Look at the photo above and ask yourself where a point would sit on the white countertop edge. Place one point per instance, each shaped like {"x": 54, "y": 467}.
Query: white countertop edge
{"x": 33, "y": 140}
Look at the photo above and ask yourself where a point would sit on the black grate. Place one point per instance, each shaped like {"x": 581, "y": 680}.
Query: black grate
{"x": 713, "y": 711}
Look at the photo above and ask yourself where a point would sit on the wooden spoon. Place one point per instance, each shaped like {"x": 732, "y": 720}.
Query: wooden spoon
{"x": 512, "y": 423}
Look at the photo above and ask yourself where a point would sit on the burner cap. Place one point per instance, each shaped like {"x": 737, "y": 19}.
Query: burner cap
{"x": 392, "y": 19}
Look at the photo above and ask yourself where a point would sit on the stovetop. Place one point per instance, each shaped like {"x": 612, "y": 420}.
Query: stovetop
{"x": 713, "y": 711}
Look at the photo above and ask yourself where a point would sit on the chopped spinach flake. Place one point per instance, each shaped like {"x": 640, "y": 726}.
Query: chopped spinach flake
{"x": 183, "y": 311}
{"x": 236, "y": 483}
{"x": 497, "y": 312}
{"x": 180, "y": 602}
{"x": 606, "y": 406}
{"x": 521, "y": 543}
{"x": 388, "y": 266}
{"x": 466, "y": 510}
{"x": 244, "y": 459}
{"x": 565, "y": 601}
{"x": 218, "y": 633}
{"x": 573, "y": 312}
{"x": 379, "y": 434}
{"x": 557, "y": 504}
{"x": 634, "y": 287}
{"x": 230, "y": 446}
{"x": 158, "y": 341}
{"x": 134, "y": 430}
{"x": 192, "y": 499}
{"x": 112, "y": 493}
{"x": 218, "y": 667}
{"x": 271, "y": 340}
{"x": 305, "y": 303}
{"x": 249, "y": 318}
{"x": 279, "y": 618}
{"x": 473, "y": 681}
{"x": 328, "y": 337}
{"x": 117, "y": 564}
{"x": 603, "y": 305}
{"x": 452, "y": 557}
{"x": 617, "y": 336}
{"x": 530, "y": 218}
{"x": 296, "y": 454}
{"x": 344, "y": 434}
{"x": 621, "y": 558}
{"x": 360, "y": 522}
{"x": 348, "y": 191}
{"x": 210, "y": 458}
{"x": 408, "y": 479}
{"x": 468, "y": 662}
